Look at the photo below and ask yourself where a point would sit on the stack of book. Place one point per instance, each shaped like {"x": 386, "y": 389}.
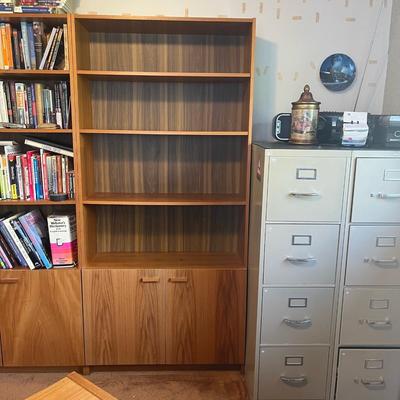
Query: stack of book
{"x": 41, "y": 174}
{"x": 7, "y": 6}
{"x": 33, "y": 46}
{"x": 26, "y": 240}
{"x": 44, "y": 6}
{"x": 34, "y": 105}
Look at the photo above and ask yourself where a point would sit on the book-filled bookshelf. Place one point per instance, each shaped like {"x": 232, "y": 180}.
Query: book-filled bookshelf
{"x": 37, "y": 179}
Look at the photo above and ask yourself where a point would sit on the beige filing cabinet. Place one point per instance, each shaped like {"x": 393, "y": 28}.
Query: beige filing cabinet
{"x": 324, "y": 263}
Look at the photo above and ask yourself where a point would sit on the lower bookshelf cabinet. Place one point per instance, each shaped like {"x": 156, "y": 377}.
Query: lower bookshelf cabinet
{"x": 41, "y": 318}
{"x": 164, "y": 316}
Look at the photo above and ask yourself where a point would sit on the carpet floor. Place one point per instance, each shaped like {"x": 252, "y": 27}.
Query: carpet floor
{"x": 126, "y": 385}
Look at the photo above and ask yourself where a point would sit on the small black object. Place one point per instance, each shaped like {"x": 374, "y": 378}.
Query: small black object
{"x": 58, "y": 197}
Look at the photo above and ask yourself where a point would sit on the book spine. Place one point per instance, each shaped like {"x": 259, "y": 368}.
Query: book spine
{"x": 66, "y": 47}
{"x": 64, "y": 174}
{"x": 59, "y": 177}
{"x": 29, "y": 156}
{"x": 20, "y": 177}
{"x": 31, "y": 42}
{"x": 4, "y": 46}
{"x": 11, "y": 85}
{"x": 22, "y": 236}
{"x": 44, "y": 157}
{"x": 50, "y": 148}
{"x": 53, "y": 45}
{"x": 1, "y": 52}
{"x": 25, "y": 39}
{"x": 38, "y": 40}
{"x": 8, "y": 100}
{"x": 56, "y": 48}
{"x": 9, "y": 46}
{"x": 47, "y": 49}
{"x": 30, "y": 231}
{"x": 5, "y": 259}
{"x": 12, "y": 171}
{"x": 59, "y": 119}
{"x": 17, "y": 55}
{"x": 3, "y": 103}
{"x": 30, "y": 109}
{"x": 25, "y": 170}
{"x": 12, "y": 244}
{"x": 9, "y": 252}
{"x": 17, "y": 241}
{"x": 39, "y": 103}
{"x": 49, "y": 174}
{"x": 34, "y": 111}
{"x": 54, "y": 174}
{"x": 6, "y": 176}
{"x": 20, "y": 102}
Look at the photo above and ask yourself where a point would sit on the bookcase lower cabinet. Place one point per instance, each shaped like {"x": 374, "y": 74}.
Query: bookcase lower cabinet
{"x": 41, "y": 318}
{"x": 164, "y": 316}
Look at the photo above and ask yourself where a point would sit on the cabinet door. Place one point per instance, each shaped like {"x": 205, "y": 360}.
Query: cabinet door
{"x": 205, "y": 316}
{"x": 124, "y": 316}
{"x": 41, "y": 318}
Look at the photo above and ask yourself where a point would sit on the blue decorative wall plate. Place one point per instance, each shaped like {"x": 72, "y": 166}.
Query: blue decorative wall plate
{"x": 337, "y": 72}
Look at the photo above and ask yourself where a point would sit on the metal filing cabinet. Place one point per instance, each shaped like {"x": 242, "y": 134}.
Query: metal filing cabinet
{"x": 324, "y": 274}
{"x": 296, "y": 226}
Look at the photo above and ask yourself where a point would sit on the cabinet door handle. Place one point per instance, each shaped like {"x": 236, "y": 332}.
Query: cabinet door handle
{"x": 394, "y": 262}
{"x": 304, "y": 194}
{"x": 374, "y": 383}
{"x": 298, "y": 324}
{"x": 294, "y": 381}
{"x": 150, "y": 279}
{"x": 385, "y": 195}
{"x": 178, "y": 279}
{"x": 8, "y": 281}
{"x": 379, "y": 324}
{"x": 299, "y": 260}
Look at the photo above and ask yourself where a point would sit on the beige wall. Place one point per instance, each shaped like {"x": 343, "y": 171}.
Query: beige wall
{"x": 293, "y": 38}
{"x": 392, "y": 91}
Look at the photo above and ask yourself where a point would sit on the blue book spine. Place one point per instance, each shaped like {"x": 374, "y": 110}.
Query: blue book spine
{"x": 36, "y": 241}
{"x": 24, "y": 33}
{"x": 36, "y": 177}
{"x": 7, "y": 237}
{"x": 31, "y": 42}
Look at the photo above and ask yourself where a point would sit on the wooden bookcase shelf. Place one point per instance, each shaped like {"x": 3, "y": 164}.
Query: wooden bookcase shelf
{"x": 33, "y": 73}
{"x": 5, "y": 131}
{"x": 162, "y": 133}
{"x": 36, "y": 203}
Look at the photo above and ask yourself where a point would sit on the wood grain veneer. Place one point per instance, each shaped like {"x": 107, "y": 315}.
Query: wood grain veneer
{"x": 205, "y": 316}
{"x": 132, "y": 164}
{"x": 41, "y": 318}
{"x": 168, "y": 229}
{"x": 125, "y": 320}
{"x": 209, "y": 106}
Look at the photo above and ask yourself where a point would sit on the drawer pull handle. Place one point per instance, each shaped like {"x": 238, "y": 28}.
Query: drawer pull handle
{"x": 8, "y": 281}
{"x": 304, "y": 194}
{"x": 379, "y": 324}
{"x": 150, "y": 279}
{"x": 294, "y": 381}
{"x": 385, "y": 195}
{"x": 394, "y": 262}
{"x": 297, "y": 260}
{"x": 179, "y": 279}
{"x": 374, "y": 383}
{"x": 298, "y": 324}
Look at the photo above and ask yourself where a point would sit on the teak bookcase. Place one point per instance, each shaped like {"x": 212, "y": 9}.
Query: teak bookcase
{"x": 162, "y": 121}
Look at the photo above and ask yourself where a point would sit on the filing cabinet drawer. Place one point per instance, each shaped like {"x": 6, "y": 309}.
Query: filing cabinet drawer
{"x": 374, "y": 255}
{"x": 305, "y": 189}
{"x": 296, "y": 316}
{"x": 288, "y": 373}
{"x": 300, "y": 254}
{"x": 371, "y": 317}
{"x": 377, "y": 190}
{"x": 369, "y": 375}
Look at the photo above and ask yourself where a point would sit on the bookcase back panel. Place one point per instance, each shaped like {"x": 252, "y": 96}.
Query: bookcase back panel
{"x": 168, "y": 229}
{"x": 167, "y": 106}
{"x": 168, "y": 164}
{"x": 167, "y": 53}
